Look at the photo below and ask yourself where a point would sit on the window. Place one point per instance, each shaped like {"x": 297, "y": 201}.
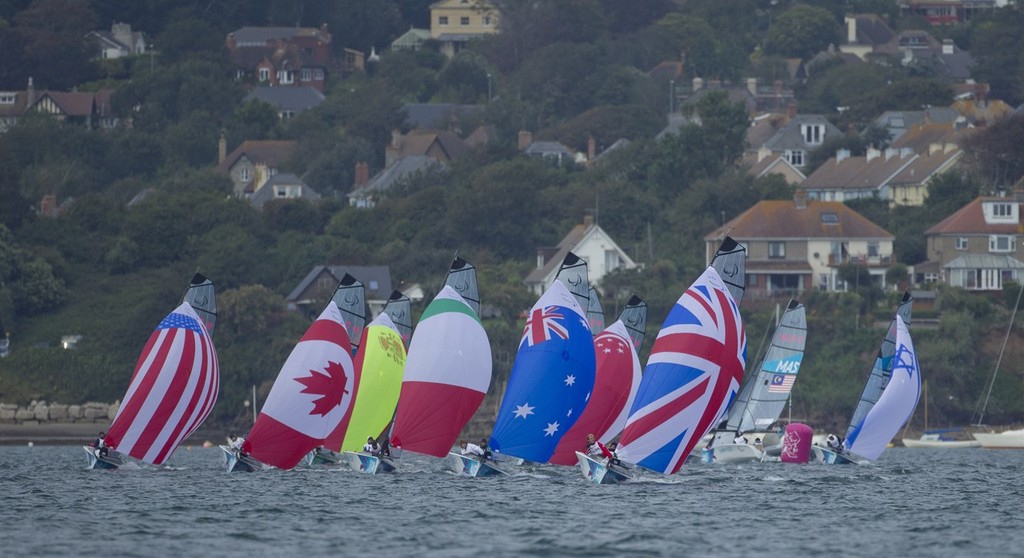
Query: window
{"x": 971, "y": 278}
{"x": 244, "y": 174}
{"x": 795, "y": 158}
{"x": 264, "y": 74}
{"x": 1002, "y": 211}
{"x": 612, "y": 260}
{"x": 961, "y": 243}
{"x": 286, "y": 114}
{"x": 318, "y": 74}
{"x": 751, "y": 280}
{"x": 872, "y": 249}
{"x": 823, "y": 282}
{"x": 829, "y": 218}
{"x": 443, "y": 20}
{"x": 487, "y": 20}
{"x": 776, "y": 249}
{"x": 931, "y": 277}
{"x": 464, "y": 20}
{"x": 7, "y": 98}
{"x": 813, "y": 133}
{"x": 374, "y": 285}
{"x": 285, "y": 76}
{"x": 307, "y": 74}
{"x": 1002, "y": 243}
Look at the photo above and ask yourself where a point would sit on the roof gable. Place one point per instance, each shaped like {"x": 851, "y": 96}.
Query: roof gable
{"x": 269, "y": 153}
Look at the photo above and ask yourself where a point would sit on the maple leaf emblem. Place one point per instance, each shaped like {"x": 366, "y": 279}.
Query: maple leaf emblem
{"x": 328, "y": 384}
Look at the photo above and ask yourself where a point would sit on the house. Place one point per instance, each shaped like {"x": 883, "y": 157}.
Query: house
{"x": 552, "y": 151}
{"x": 801, "y": 134}
{"x": 800, "y": 244}
{"x": 976, "y": 247}
{"x": 898, "y": 122}
{"x": 282, "y": 186}
{"x": 288, "y": 101}
{"x": 947, "y": 12}
{"x": 366, "y": 192}
{"x": 413, "y": 39}
{"x": 588, "y": 241}
{"x": 763, "y": 163}
{"x": 926, "y": 138}
{"x": 120, "y": 42}
{"x": 318, "y": 286}
{"x": 439, "y": 144}
{"x": 287, "y": 56}
{"x": 917, "y": 48}
{"x": 443, "y": 116}
{"x": 252, "y": 163}
{"x": 454, "y": 23}
{"x": 864, "y": 33}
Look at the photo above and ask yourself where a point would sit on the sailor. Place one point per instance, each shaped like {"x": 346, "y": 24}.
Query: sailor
{"x": 236, "y": 443}
{"x": 472, "y": 450}
{"x": 613, "y": 448}
{"x": 487, "y": 452}
{"x": 385, "y": 446}
{"x": 100, "y": 443}
{"x": 371, "y": 447}
{"x": 740, "y": 439}
{"x": 833, "y": 443}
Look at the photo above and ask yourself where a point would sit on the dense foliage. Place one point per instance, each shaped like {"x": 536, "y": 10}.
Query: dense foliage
{"x": 567, "y": 71}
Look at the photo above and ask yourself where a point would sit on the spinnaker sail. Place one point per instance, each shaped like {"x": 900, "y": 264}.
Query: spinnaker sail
{"x": 764, "y": 395}
{"x": 615, "y": 385}
{"x": 173, "y": 388}
{"x": 692, "y": 375}
{"x": 551, "y": 379}
{"x": 312, "y": 394}
{"x": 878, "y": 379}
{"x": 381, "y": 363}
{"x": 447, "y": 375}
{"x": 350, "y": 297}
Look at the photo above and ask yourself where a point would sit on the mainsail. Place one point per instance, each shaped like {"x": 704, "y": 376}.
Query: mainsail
{"x": 351, "y": 300}
{"x": 897, "y": 402}
{"x": 634, "y": 317}
{"x": 595, "y": 314}
{"x": 380, "y": 363}
{"x": 172, "y": 391}
{"x": 201, "y": 296}
{"x": 551, "y": 379}
{"x": 615, "y": 387}
{"x": 573, "y": 274}
{"x": 731, "y": 264}
{"x": 446, "y": 377}
{"x": 313, "y": 392}
{"x": 692, "y": 375}
{"x": 881, "y": 372}
{"x": 763, "y": 397}
{"x": 5, "y": 341}
{"x": 399, "y": 309}
{"x": 462, "y": 278}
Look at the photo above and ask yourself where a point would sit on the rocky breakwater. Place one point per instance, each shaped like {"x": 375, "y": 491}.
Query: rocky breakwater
{"x": 41, "y": 412}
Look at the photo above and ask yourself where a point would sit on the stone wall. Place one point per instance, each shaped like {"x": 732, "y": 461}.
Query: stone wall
{"x": 38, "y": 412}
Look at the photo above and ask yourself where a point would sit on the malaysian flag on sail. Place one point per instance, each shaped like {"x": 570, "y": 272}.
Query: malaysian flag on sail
{"x": 172, "y": 391}
{"x": 692, "y": 376}
{"x": 781, "y": 383}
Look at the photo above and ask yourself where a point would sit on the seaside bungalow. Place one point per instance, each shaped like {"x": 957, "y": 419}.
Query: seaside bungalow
{"x": 588, "y": 241}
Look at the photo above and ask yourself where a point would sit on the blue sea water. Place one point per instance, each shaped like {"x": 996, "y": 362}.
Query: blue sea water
{"x": 958, "y": 503}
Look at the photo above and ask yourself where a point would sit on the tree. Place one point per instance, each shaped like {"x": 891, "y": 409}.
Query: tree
{"x": 998, "y": 46}
{"x": 55, "y": 53}
{"x": 996, "y": 153}
{"x": 36, "y": 289}
{"x": 802, "y": 31}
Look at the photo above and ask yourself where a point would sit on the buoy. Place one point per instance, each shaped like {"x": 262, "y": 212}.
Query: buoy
{"x": 30, "y": 444}
{"x": 796, "y": 443}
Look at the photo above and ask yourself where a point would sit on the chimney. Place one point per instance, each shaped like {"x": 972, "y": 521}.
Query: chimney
{"x": 30, "y": 93}
{"x": 752, "y": 86}
{"x": 800, "y": 198}
{"x": 791, "y": 110}
{"x": 851, "y": 30}
{"x": 525, "y": 139}
{"x": 391, "y": 151}
{"x": 891, "y": 152}
{"x": 906, "y": 152}
{"x": 362, "y": 176}
{"x": 948, "y": 46}
{"x": 842, "y": 155}
{"x": 231, "y": 42}
{"x": 591, "y": 148}
{"x": 872, "y": 154}
{"x": 934, "y": 148}
{"x": 950, "y": 147}
{"x": 698, "y": 84}
{"x": 588, "y": 221}
{"x": 222, "y": 149}
{"x": 48, "y": 206}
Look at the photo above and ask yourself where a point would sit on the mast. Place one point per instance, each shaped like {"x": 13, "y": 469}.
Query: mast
{"x": 980, "y": 413}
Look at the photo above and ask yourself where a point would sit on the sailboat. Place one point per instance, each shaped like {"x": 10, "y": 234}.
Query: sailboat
{"x": 312, "y": 394}
{"x": 551, "y": 380}
{"x": 381, "y": 364}
{"x": 173, "y": 388}
{"x": 941, "y": 438}
{"x": 447, "y": 373}
{"x": 882, "y": 412}
{"x": 765, "y": 393}
{"x": 1009, "y": 439}
{"x": 350, "y": 297}
{"x": 694, "y": 370}
{"x": 615, "y": 385}
{"x": 595, "y": 314}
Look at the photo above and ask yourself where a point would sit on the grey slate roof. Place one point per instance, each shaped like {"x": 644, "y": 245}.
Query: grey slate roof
{"x": 401, "y": 170}
{"x": 542, "y": 148}
{"x": 295, "y": 99}
{"x": 790, "y": 137}
{"x": 985, "y": 261}
{"x": 266, "y": 192}
{"x": 440, "y": 116}
{"x": 899, "y": 121}
{"x": 376, "y": 280}
{"x": 249, "y": 35}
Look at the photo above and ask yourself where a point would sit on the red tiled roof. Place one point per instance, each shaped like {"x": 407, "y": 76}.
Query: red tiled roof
{"x": 271, "y": 153}
{"x": 970, "y": 219}
{"x": 782, "y": 219}
{"x": 73, "y": 103}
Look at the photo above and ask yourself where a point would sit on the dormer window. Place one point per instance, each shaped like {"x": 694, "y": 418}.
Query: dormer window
{"x": 829, "y": 218}
{"x": 814, "y": 134}
{"x": 8, "y": 98}
{"x": 1002, "y": 211}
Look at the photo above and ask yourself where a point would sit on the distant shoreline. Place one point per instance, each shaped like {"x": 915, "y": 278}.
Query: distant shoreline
{"x": 79, "y": 433}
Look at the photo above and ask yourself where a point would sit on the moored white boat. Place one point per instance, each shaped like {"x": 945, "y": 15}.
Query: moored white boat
{"x": 600, "y": 471}
{"x": 936, "y": 440}
{"x": 1010, "y": 439}
{"x": 471, "y": 467}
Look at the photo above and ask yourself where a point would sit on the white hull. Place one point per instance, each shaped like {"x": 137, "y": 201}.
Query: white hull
{"x": 470, "y": 467}
{"x": 599, "y": 472}
{"x": 322, "y": 457}
{"x": 940, "y": 444}
{"x": 1011, "y": 439}
{"x": 113, "y": 459}
{"x": 735, "y": 453}
{"x": 369, "y": 464}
